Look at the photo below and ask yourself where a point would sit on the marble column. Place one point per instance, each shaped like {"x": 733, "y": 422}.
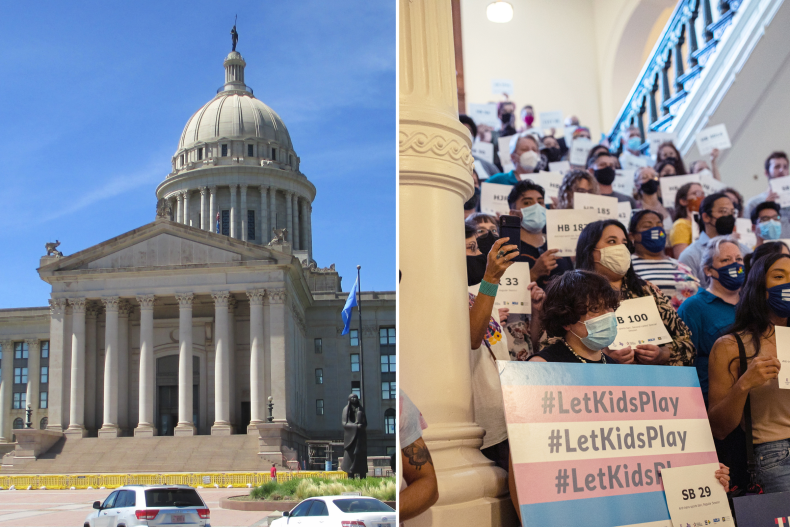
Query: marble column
{"x": 147, "y": 385}
{"x": 57, "y": 342}
{"x": 179, "y": 208}
{"x": 297, "y": 239}
{"x": 272, "y": 212}
{"x": 212, "y": 221}
{"x": 110, "y": 424}
{"x": 244, "y": 234}
{"x": 91, "y": 370}
{"x": 76, "y": 427}
{"x": 289, "y": 217}
{"x": 221, "y": 365}
{"x": 204, "y": 219}
{"x": 277, "y": 300}
{"x": 435, "y": 177}
{"x": 186, "y": 208}
{"x": 185, "y": 425}
{"x": 265, "y": 232}
{"x": 308, "y": 215}
{"x": 233, "y": 232}
{"x": 33, "y": 377}
{"x": 257, "y": 363}
{"x": 6, "y": 390}
{"x": 124, "y": 310}
{"x": 232, "y": 304}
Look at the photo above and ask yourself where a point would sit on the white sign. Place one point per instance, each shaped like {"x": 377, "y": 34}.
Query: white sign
{"x": 493, "y": 198}
{"x": 579, "y": 150}
{"x": 568, "y": 134}
{"x": 671, "y": 184}
{"x": 710, "y": 184}
{"x": 499, "y": 86}
{"x": 484, "y": 114}
{"x": 550, "y": 181}
{"x": 638, "y": 322}
{"x": 484, "y": 151}
{"x": 605, "y": 207}
{"x": 561, "y": 167}
{"x": 657, "y": 138}
{"x": 563, "y": 227}
{"x": 623, "y": 182}
{"x": 482, "y": 173}
{"x": 504, "y": 152}
{"x": 783, "y": 354}
{"x": 695, "y": 496}
{"x": 624, "y": 212}
{"x": 631, "y": 162}
{"x": 781, "y": 186}
{"x": 743, "y": 226}
{"x": 551, "y": 119}
{"x": 512, "y": 292}
{"x": 712, "y": 138}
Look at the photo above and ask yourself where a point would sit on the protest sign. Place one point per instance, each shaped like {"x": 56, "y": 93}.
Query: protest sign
{"x": 763, "y": 510}
{"x": 500, "y": 86}
{"x": 638, "y": 322}
{"x": 655, "y": 139}
{"x": 604, "y": 206}
{"x": 671, "y": 184}
{"x": 712, "y": 138}
{"x": 579, "y": 150}
{"x": 512, "y": 292}
{"x": 710, "y": 184}
{"x": 624, "y": 182}
{"x": 551, "y": 119}
{"x": 783, "y": 354}
{"x": 484, "y": 151}
{"x": 695, "y": 496}
{"x": 503, "y": 144}
{"x": 493, "y": 198}
{"x": 624, "y": 212}
{"x": 482, "y": 174}
{"x": 781, "y": 186}
{"x": 561, "y": 167}
{"x": 563, "y": 227}
{"x": 588, "y": 441}
{"x": 484, "y": 114}
{"x": 743, "y": 226}
{"x": 568, "y": 135}
{"x": 550, "y": 181}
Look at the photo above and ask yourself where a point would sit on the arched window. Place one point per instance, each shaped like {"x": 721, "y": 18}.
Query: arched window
{"x": 18, "y": 423}
{"x": 389, "y": 421}
{"x": 44, "y": 423}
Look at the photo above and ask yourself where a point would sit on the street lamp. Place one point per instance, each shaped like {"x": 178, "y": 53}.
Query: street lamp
{"x": 271, "y": 408}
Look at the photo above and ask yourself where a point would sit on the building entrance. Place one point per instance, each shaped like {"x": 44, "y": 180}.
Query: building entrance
{"x": 167, "y": 394}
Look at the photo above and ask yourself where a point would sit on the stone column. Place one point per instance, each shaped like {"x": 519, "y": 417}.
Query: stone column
{"x": 289, "y": 217}
{"x": 221, "y": 365}
{"x": 76, "y": 427}
{"x": 277, "y": 348}
{"x": 110, "y": 424}
{"x": 180, "y": 208}
{"x": 145, "y": 425}
{"x": 57, "y": 336}
{"x": 232, "y": 304}
{"x": 435, "y": 175}
{"x": 212, "y": 221}
{"x": 204, "y": 219}
{"x": 308, "y": 214}
{"x": 186, "y": 426}
{"x": 257, "y": 363}
{"x": 91, "y": 370}
{"x": 244, "y": 234}
{"x": 297, "y": 238}
{"x": 186, "y": 207}
{"x": 6, "y": 390}
{"x": 33, "y": 377}
{"x": 233, "y": 232}
{"x": 264, "y": 217}
{"x": 124, "y": 310}
{"x": 272, "y": 211}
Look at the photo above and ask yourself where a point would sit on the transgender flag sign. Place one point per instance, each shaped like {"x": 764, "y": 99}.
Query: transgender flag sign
{"x": 588, "y": 441}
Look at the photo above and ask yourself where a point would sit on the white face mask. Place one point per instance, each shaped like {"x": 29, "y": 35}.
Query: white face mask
{"x": 616, "y": 258}
{"x": 529, "y": 160}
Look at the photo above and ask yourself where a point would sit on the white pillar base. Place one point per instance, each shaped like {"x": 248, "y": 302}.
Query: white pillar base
{"x": 483, "y": 511}
{"x": 76, "y": 432}
{"x": 221, "y": 429}
{"x": 252, "y": 428}
{"x": 109, "y": 432}
{"x": 185, "y": 430}
{"x": 145, "y": 431}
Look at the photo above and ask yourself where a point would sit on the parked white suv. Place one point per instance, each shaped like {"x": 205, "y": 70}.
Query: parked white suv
{"x": 132, "y": 505}
{"x": 338, "y": 511}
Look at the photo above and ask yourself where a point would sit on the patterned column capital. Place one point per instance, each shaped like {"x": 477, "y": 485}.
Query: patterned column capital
{"x": 32, "y": 344}
{"x": 276, "y": 296}
{"x": 184, "y": 299}
{"x": 57, "y": 306}
{"x": 111, "y": 303}
{"x": 125, "y": 308}
{"x": 221, "y": 298}
{"x": 243, "y": 187}
{"x": 92, "y": 310}
{"x": 77, "y": 304}
{"x": 233, "y": 187}
{"x": 212, "y": 189}
{"x": 263, "y": 189}
{"x": 179, "y": 196}
{"x": 146, "y": 302}
{"x": 256, "y": 296}
{"x": 203, "y": 191}
{"x": 232, "y": 304}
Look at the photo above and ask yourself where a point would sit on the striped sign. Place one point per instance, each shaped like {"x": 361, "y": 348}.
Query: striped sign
{"x": 588, "y": 441}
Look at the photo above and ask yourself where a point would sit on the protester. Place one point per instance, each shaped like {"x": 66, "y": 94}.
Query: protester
{"x": 602, "y": 167}
{"x": 667, "y": 168}
{"x": 604, "y": 248}
{"x": 551, "y": 149}
{"x": 687, "y": 201}
{"x": 575, "y": 181}
{"x": 717, "y": 218}
{"x": 484, "y": 224}
{"x": 647, "y": 192}
{"x": 667, "y": 151}
{"x": 632, "y": 157}
{"x": 766, "y": 248}
{"x": 506, "y": 111}
{"x": 766, "y": 222}
{"x": 701, "y": 166}
{"x": 776, "y": 166}
{"x": 762, "y": 307}
{"x": 419, "y": 489}
{"x": 651, "y": 262}
{"x": 528, "y": 118}
{"x": 525, "y": 154}
{"x": 582, "y": 131}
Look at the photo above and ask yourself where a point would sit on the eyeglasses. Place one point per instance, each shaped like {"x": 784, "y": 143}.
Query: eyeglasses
{"x": 766, "y": 219}
{"x": 726, "y": 212}
{"x": 482, "y": 231}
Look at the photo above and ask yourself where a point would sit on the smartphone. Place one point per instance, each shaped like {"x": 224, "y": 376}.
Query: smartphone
{"x": 510, "y": 227}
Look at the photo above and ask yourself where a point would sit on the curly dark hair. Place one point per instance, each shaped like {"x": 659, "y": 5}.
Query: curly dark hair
{"x": 571, "y": 295}
{"x": 570, "y": 179}
{"x": 589, "y": 238}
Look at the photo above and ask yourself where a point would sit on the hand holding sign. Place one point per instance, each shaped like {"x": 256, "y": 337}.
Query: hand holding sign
{"x": 695, "y": 496}
{"x": 638, "y": 322}
{"x": 781, "y": 187}
{"x": 604, "y": 206}
{"x": 713, "y": 137}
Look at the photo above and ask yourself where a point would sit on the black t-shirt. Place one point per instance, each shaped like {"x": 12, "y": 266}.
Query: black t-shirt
{"x": 530, "y": 254}
{"x": 559, "y": 352}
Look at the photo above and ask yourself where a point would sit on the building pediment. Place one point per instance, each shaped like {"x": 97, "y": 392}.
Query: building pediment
{"x": 165, "y": 244}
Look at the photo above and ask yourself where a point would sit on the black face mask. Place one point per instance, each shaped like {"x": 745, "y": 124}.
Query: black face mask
{"x": 506, "y": 117}
{"x": 485, "y": 242}
{"x": 725, "y": 225}
{"x": 552, "y": 154}
{"x": 605, "y": 176}
{"x": 475, "y": 268}
{"x": 473, "y": 201}
{"x": 671, "y": 159}
{"x": 649, "y": 187}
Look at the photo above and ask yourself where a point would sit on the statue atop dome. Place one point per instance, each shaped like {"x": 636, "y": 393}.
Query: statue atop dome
{"x": 234, "y": 36}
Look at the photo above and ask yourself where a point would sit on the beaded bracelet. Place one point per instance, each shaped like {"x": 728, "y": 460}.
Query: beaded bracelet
{"x": 488, "y": 288}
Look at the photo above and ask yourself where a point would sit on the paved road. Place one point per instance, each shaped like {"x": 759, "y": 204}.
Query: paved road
{"x": 68, "y": 508}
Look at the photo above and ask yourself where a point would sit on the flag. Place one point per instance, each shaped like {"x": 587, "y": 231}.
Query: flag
{"x": 217, "y": 222}
{"x": 351, "y": 301}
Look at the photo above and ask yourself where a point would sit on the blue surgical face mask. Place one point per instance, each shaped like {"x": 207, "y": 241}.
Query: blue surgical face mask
{"x": 771, "y": 230}
{"x": 533, "y": 218}
{"x": 731, "y": 276}
{"x": 654, "y": 240}
{"x": 634, "y": 143}
{"x": 601, "y": 331}
{"x": 779, "y": 300}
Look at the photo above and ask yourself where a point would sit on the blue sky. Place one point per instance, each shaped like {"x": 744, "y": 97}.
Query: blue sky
{"x": 95, "y": 96}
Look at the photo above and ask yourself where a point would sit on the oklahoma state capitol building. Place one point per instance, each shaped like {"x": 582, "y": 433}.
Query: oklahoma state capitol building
{"x": 174, "y": 329}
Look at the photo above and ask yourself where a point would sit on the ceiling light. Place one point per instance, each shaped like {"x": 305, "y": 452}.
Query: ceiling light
{"x": 499, "y": 12}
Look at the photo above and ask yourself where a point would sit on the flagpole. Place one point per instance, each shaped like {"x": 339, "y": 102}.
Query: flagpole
{"x": 361, "y": 349}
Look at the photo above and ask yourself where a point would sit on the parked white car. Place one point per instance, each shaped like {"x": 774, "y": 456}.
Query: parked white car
{"x": 133, "y": 505}
{"x": 339, "y": 511}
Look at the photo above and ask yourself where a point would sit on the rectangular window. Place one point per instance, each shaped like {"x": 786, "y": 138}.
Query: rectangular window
{"x": 355, "y": 388}
{"x": 43, "y": 399}
{"x": 20, "y": 350}
{"x": 20, "y": 375}
{"x": 274, "y": 154}
{"x": 226, "y": 222}
{"x": 319, "y": 376}
{"x": 388, "y": 390}
{"x": 319, "y": 347}
{"x": 19, "y": 400}
{"x": 319, "y": 407}
{"x": 355, "y": 362}
{"x": 200, "y": 154}
{"x": 224, "y": 150}
{"x": 353, "y": 337}
{"x": 181, "y": 159}
{"x": 44, "y": 374}
{"x": 250, "y": 224}
{"x": 44, "y": 349}
{"x": 390, "y": 449}
{"x": 249, "y": 150}
{"x": 389, "y": 424}
{"x": 388, "y": 364}
{"x": 387, "y": 336}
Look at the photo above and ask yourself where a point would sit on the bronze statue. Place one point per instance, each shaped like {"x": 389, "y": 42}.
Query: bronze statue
{"x": 234, "y": 36}
{"x": 52, "y": 248}
{"x": 355, "y": 439}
